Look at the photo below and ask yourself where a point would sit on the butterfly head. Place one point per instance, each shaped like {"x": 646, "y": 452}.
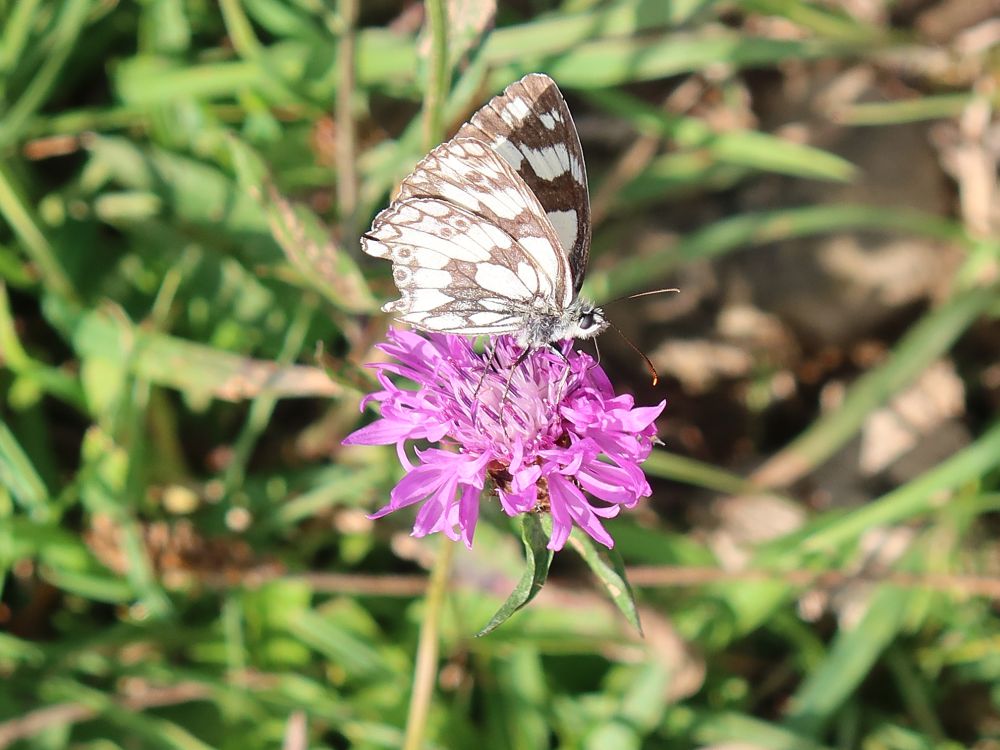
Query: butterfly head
{"x": 590, "y": 321}
{"x": 581, "y": 320}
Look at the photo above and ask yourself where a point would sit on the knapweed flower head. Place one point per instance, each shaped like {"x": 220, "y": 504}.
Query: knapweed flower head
{"x": 564, "y": 442}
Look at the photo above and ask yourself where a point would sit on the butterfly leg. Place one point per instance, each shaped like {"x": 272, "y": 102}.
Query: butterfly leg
{"x": 482, "y": 378}
{"x": 489, "y": 365}
{"x": 506, "y": 390}
{"x": 557, "y": 348}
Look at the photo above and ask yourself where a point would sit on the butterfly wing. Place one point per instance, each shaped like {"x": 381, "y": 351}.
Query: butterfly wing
{"x": 530, "y": 126}
{"x": 471, "y": 247}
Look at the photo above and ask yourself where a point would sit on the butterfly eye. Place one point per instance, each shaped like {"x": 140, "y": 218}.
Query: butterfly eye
{"x": 587, "y": 321}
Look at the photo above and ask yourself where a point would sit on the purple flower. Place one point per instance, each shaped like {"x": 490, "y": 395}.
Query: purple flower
{"x": 563, "y": 433}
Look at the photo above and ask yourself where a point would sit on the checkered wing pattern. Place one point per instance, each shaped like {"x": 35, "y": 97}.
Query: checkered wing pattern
{"x": 490, "y": 233}
{"x": 471, "y": 249}
{"x": 530, "y": 126}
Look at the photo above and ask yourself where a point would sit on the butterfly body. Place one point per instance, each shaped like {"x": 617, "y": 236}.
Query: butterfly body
{"x": 581, "y": 320}
{"x": 490, "y": 234}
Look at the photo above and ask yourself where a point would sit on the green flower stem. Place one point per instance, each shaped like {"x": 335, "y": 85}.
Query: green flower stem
{"x": 437, "y": 72}
{"x": 425, "y": 672}
{"x": 426, "y": 669}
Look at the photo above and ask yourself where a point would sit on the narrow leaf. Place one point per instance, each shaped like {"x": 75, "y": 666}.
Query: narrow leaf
{"x": 849, "y": 661}
{"x": 199, "y": 370}
{"x": 538, "y": 558}
{"x": 18, "y": 475}
{"x": 926, "y": 340}
{"x": 610, "y": 571}
{"x": 744, "y": 148}
{"x": 321, "y": 262}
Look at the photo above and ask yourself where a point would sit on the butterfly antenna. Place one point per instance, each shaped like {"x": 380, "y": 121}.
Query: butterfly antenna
{"x": 642, "y": 294}
{"x": 649, "y": 364}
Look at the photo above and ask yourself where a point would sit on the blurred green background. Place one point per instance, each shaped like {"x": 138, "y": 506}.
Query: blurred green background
{"x": 186, "y": 561}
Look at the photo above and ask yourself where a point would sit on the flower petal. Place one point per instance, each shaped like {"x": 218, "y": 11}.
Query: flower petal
{"x": 565, "y": 495}
{"x": 468, "y": 512}
{"x": 613, "y": 484}
{"x": 522, "y": 495}
{"x": 379, "y": 432}
{"x": 415, "y": 486}
{"x": 433, "y": 514}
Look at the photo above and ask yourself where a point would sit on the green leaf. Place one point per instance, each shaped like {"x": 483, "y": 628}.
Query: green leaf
{"x": 345, "y": 649}
{"x": 746, "y": 230}
{"x": 676, "y": 174}
{"x": 383, "y": 57}
{"x": 153, "y": 731}
{"x": 538, "y": 558}
{"x": 836, "y": 530}
{"x": 831, "y": 23}
{"x": 749, "y": 604}
{"x": 519, "y": 713}
{"x": 611, "y": 62}
{"x": 18, "y": 475}
{"x": 70, "y": 20}
{"x": 307, "y": 243}
{"x": 721, "y": 728}
{"x": 14, "y": 650}
{"x": 104, "y": 384}
{"x": 99, "y": 586}
{"x": 927, "y": 340}
{"x": 341, "y": 485}
{"x": 745, "y": 148}
{"x": 104, "y": 489}
{"x": 22, "y": 219}
{"x": 468, "y": 23}
{"x": 773, "y": 154}
{"x": 19, "y": 20}
{"x": 906, "y": 110}
{"x": 642, "y": 703}
{"x": 668, "y": 465}
{"x": 564, "y": 31}
{"x": 199, "y": 370}
{"x": 849, "y": 661}
{"x": 609, "y": 568}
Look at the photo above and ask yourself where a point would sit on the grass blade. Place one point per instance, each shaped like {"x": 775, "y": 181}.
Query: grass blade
{"x": 68, "y": 25}
{"x": 18, "y": 475}
{"x": 636, "y": 274}
{"x": 931, "y": 337}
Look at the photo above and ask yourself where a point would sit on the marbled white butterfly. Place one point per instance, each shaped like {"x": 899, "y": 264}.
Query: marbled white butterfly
{"x": 490, "y": 234}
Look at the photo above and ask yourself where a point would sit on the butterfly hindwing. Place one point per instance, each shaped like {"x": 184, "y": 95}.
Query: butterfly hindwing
{"x": 457, "y": 271}
{"x": 530, "y": 126}
{"x": 468, "y": 174}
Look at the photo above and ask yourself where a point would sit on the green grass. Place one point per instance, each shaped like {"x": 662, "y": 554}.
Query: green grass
{"x": 185, "y": 560}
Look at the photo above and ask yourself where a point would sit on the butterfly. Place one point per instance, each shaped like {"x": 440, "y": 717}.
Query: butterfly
{"x": 490, "y": 234}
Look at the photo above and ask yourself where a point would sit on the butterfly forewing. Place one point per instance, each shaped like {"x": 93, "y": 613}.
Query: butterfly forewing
{"x": 530, "y": 126}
